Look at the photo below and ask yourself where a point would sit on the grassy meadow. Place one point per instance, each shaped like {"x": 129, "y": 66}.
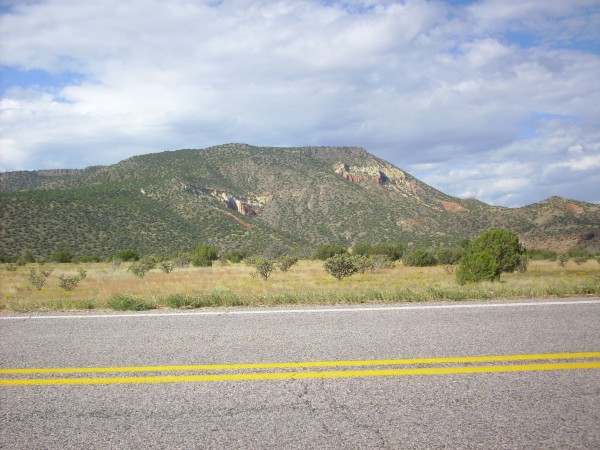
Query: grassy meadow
{"x": 306, "y": 283}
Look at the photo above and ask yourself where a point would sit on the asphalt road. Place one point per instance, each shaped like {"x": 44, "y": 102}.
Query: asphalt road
{"x": 543, "y": 402}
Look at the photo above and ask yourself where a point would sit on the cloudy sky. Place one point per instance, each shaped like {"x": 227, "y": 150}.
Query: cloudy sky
{"x": 496, "y": 99}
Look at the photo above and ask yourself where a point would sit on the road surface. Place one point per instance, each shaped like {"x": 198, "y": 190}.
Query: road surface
{"x": 495, "y": 374}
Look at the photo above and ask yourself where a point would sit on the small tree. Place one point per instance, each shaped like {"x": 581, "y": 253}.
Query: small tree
{"x": 420, "y": 257}
{"x": 503, "y": 245}
{"x": 579, "y": 254}
{"x": 491, "y": 253}
{"x": 363, "y": 263}
{"x": 449, "y": 255}
{"x": 362, "y": 249}
{"x": 167, "y": 266}
{"x": 477, "y": 267}
{"x": 263, "y": 268}
{"x": 563, "y": 259}
{"x": 341, "y": 266}
{"x": 393, "y": 251}
{"x": 127, "y": 255}
{"x": 38, "y": 279}
{"x": 286, "y": 261}
{"x": 68, "y": 282}
{"x": 326, "y": 251}
{"x": 139, "y": 268}
{"x": 204, "y": 255}
{"x": 62, "y": 257}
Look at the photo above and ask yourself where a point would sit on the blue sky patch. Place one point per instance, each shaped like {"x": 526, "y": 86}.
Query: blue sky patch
{"x": 11, "y": 78}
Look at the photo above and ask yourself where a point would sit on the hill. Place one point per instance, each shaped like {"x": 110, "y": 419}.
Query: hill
{"x": 238, "y": 196}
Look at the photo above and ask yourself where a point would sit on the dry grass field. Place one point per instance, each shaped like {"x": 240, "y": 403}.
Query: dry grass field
{"x": 305, "y": 283}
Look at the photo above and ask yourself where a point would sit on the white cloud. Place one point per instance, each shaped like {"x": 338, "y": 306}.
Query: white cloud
{"x": 440, "y": 90}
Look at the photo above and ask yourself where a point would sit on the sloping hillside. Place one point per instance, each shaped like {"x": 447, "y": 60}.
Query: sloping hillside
{"x": 245, "y": 197}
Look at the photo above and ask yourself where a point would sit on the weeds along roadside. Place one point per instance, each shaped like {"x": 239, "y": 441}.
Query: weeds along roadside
{"x": 306, "y": 283}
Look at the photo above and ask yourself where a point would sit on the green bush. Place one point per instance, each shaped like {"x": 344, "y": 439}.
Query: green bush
{"x": 491, "y": 253}
{"x": 362, "y": 249}
{"x": 449, "y": 255}
{"x": 89, "y": 259}
{"x": 382, "y": 262}
{"x": 38, "y": 280}
{"x": 393, "y": 251}
{"x": 419, "y": 257}
{"x": 182, "y": 260}
{"x": 538, "y": 254}
{"x": 68, "y": 282}
{"x": 127, "y": 255}
{"x": 563, "y": 259}
{"x": 579, "y": 251}
{"x": 503, "y": 245}
{"x": 167, "y": 266}
{"x": 235, "y": 256}
{"x": 286, "y": 262}
{"x": 62, "y": 257}
{"x": 263, "y": 268}
{"x": 341, "y": 266}
{"x": 138, "y": 269}
{"x": 363, "y": 262}
{"x": 204, "y": 255}
{"x": 326, "y": 251}
{"x": 476, "y": 267}
{"x": 125, "y": 302}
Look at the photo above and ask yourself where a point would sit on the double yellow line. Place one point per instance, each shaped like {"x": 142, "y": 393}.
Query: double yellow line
{"x": 305, "y": 370}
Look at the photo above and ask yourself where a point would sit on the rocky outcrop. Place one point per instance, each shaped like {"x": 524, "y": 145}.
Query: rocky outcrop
{"x": 246, "y": 206}
{"x": 453, "y": 207}
{"x": 386, "y": 176}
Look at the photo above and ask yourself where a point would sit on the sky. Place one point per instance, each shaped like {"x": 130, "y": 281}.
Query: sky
{"x": 493, "y": 99}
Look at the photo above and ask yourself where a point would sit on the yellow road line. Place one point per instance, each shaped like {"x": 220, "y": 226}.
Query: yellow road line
{"x": 305, "y": 365}
{"x": 304, "y": 375}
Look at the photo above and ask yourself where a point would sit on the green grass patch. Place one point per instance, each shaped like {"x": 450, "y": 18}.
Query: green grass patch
{"x": 126, "y": 302}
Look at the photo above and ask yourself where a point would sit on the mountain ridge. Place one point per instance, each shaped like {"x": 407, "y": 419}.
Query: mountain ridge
{"x": 255, "y": 198}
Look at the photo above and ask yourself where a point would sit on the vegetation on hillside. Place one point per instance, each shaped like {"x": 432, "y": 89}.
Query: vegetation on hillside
{"x": 297, "y": 199}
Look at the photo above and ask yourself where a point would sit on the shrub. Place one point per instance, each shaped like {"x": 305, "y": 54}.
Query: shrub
{"x": 68, "y": 282}
{"x": 341, "y": 266}
{"x": 363, "y": 263}
{"x": 138, "y": 269}
{"x": 537, "y": 254}
{"x": 182, "y": 260}
{"x": 235, "y": 256}
{"x": 503, "y": 245}
{"x": 563, "y": 258}
{"x": 393, "y": 251}
{"x": 204, "y": 255}
{"x": 89, "y": 259}
{"x": 476, "y": 267}
{"x": 286, "y": 261}
{"x": 419, "y": 257}
{"x": 362, "y": 249}
{"x": 263, "y": 268}
{"x": 382, "y": 262}
{"x": 579, "y": 251}
{"x": 62, "y": 257}
{"x": 4, "y": 258}
{"x": 449, "y": 255}
{"x": 11, "y": 267}
{"x": 38, "y": 279}
{"x": 125, "y": 302}
{"x": 82, "y": 273}
{"x": 127, "y": 255}
{"x": 326, "y": 251}
{"x": 28, "y": 257}
{"x": 167, "y": 266}
{"x": 180, "y": 301}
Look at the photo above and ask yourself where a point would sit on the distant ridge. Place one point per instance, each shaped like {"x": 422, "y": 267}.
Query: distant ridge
{"x": 239, "y": 196}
